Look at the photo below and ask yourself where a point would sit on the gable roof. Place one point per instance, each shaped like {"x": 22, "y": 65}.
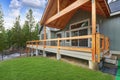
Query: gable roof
{"x": 61, "y": 21}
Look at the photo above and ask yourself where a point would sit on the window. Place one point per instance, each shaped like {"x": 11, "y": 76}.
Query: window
{"x": 42, "y": 36}
{"x": 67, "y": 35}
{"x": 59, "y": 35}
{"x": 80, "y": 29}
{"x": 80, "y": 24}
{"x": 75, "y": 33}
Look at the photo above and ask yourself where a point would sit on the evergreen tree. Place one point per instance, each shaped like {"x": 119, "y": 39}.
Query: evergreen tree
{"x": 31, "y": 21}
{"x": 16, "y": 33}
{"x": 1, "y": 19}
{"x": 2, "y": 46}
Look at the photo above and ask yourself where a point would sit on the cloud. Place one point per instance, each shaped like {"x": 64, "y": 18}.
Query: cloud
{"x": 34, "y": 3}
{"x": 37, "y": 15}
{"x": 8, "y": 22}
{"x": 14, "y": 13}
{"x": 15, "y": 4}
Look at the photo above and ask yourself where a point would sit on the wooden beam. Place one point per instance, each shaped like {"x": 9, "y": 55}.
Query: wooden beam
{"x": 76, "y": 49}
{"x": 44, "y": 36}
{"x": 58, "y": 6}
{"x": 99, "y": 6}
{"x": 71, "y": 38}
{"x": 71, "y": 48}
{"x": 107, "y": 6}
{"x": 68, "y": 9}
{"x": 93, "y": 30}
{"x": 46, "y": 11}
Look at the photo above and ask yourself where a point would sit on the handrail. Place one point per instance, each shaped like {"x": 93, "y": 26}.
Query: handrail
{"x": 68, "y": 38}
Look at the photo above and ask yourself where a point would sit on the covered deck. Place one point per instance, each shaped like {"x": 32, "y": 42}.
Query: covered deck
{"x": 58, "y": 15}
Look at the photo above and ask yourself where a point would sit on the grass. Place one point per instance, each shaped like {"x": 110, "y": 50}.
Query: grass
{"x": 39, "y": 68}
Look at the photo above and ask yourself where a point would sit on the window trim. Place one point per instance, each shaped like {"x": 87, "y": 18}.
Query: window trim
{"x": 80, "y": 22}
{"x": 66, "y": 36}
{"x": 59, "y": 33}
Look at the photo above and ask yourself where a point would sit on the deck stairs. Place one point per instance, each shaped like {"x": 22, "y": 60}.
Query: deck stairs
{"x": 110, "y": 63}
{"x": 110, "y": 58}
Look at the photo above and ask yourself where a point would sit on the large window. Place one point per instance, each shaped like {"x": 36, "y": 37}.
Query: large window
{"x": 80, "y": 29}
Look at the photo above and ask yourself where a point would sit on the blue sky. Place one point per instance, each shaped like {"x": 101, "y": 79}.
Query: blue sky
{"x": 13, "y": 8}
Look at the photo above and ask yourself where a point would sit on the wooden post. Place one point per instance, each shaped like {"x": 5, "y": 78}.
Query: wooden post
{"x": 58, "y": 6}
{"x": 44, "y": 36}
{"x": 93, "y": 30}
{"x": 32, "y": 49}
{"x": 98, "y": 47}
{"x": 44, "y": 53}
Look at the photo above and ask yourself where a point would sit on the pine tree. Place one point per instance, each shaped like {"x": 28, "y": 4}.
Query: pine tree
{"x": 16, "y": 33}
{"x": 1, "y": 19}
{"x": 2, "y": 32}
{"x": 31, "y": 21}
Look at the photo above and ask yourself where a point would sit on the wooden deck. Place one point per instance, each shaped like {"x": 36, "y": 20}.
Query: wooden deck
{"x": 77, "y": 52}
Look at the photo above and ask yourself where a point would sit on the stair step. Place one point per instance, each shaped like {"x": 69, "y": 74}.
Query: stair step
{"x": 110, "y": 65}
{"x": 111, "y": 61}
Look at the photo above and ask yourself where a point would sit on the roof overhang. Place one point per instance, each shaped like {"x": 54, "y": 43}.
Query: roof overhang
{"x": 67, "y": 8}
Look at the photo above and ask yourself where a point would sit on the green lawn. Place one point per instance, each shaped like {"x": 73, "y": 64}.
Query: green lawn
{"x": 39, "y": 68}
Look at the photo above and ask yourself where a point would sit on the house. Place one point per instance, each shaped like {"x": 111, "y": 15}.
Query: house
{"x": 85, "y": 29}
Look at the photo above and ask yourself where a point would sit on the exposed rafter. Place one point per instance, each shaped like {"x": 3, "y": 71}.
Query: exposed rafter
{"x": 68, "y": 9}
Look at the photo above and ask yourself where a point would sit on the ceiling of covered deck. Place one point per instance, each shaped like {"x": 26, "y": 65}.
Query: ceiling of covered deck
{"x": 60, "y": 23}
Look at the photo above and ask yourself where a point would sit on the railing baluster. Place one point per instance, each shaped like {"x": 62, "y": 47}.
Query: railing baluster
{"x": 103, "y": 43}
{"x": 98, "y": 47}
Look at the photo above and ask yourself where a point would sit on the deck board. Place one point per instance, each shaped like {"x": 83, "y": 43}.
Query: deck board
{"x": 76, "y": 54}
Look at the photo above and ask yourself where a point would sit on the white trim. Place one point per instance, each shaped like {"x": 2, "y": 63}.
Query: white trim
{"x": 115, "y": 13}
{"x": 115, "y": 52}
{"x": 80, "y": 22}
{"x": 66, "y": 36}
{"x": 80, "y": 28}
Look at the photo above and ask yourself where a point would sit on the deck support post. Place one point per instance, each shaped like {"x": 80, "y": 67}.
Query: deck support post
{"x": 93, "y": 64}
{"x": 27, "y": 52}
{"x": 36, "y": 52}
{"x": 58, "y": 56}
{"x": 44, "y": 53}
{"x": 58, "y": 51}
{"x": 32, "y": 52}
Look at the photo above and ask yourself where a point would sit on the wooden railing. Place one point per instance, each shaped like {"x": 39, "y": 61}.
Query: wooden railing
{"x": 58, "y": 45}
{"x": 102, "y": 44}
